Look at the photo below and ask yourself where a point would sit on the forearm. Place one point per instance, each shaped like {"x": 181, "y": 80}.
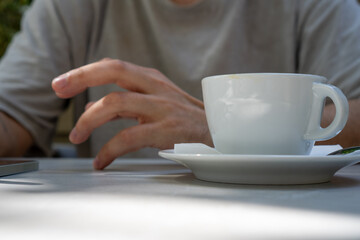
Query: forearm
{"x": 350, "y": 135}
{"x": 15, "y": 140}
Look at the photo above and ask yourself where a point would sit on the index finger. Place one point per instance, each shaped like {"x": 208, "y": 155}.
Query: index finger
{"x": 126, "y": 75}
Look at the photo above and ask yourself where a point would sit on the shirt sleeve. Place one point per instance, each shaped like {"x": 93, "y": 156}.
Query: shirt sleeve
{"x": 329, "y": 42}
{"x": 42, "y": 50}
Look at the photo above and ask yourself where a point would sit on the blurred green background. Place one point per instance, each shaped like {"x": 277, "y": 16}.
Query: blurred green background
{"x": 11, "y": 12}
{"x": 10, "y": 16}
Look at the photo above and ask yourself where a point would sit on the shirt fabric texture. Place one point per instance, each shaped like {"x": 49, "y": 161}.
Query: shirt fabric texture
{"x": 185, "y": 43}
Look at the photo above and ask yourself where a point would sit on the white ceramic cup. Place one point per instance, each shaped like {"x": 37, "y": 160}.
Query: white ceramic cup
{"x": 270, "y": 113}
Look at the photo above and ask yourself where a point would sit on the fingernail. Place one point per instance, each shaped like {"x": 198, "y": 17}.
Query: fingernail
{"x": 61, "y": 81}
{"x": 97, "y": 164}
{"x": 73, "y": 135}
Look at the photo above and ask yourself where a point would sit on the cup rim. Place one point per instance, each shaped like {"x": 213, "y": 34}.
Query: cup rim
{"x": 239, "y": 76}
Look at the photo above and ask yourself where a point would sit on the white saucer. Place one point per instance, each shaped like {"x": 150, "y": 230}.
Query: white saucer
{"x": 262, "y": 169}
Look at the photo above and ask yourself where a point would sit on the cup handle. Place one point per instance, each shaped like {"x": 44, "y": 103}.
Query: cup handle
{"x": 320, "y": 92}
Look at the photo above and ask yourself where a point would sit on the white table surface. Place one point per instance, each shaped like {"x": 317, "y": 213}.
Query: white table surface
{"x": 159, "y": 199}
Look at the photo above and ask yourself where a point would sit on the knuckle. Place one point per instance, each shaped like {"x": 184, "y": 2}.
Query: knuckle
{"x": 155, "y": 75}
{"x": 78, "y": 73}
{"x": 88, "y": 105}
{"x": 154, "y": 71}
{"x": 113, "y": 98}
{"x": 117, "y": 65}
{"x": 171, "y": 123}
{"x": 162, "y": 83}
{"x": 170, "y": 105}
{"x": 158, "y": 81}
{"x": 167, "y": 106}
{"x": 106, "y": 59}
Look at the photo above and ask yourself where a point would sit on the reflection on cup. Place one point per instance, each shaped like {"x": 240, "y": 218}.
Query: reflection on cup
{"x": 270, "y": 113}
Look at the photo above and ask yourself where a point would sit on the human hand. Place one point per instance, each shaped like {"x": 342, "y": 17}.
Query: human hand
{"x": 166, "y": 114}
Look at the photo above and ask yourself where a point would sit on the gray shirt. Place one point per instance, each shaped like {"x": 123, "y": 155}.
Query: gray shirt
{"x": 185, "y": 43}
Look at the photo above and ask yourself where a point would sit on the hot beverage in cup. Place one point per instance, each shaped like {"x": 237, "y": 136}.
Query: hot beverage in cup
{"x": 270, "y": 113}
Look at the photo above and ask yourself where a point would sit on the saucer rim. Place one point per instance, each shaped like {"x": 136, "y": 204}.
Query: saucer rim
{"x": 250, "y": 169}
{"x": 255, "y": 156}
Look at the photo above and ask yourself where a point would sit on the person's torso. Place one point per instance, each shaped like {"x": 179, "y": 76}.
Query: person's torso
{"x": 190, "y": 43}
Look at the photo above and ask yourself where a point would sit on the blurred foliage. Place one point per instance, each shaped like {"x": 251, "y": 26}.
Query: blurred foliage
{"x": 10, "y": 15}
